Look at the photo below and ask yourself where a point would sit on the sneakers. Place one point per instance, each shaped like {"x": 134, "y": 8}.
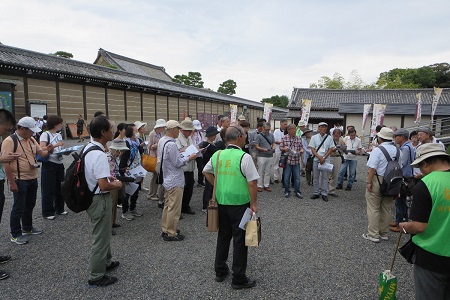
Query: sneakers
{"x": 50, "y": 217}
{"x": 339, "y": 187}
{"x": 221, "y": 277}
{"x": 136, "y": 213}
{"x": 286, "y": 195}
{"x": 113, "y": 265}
{"x": 63, "y": 213}
{"x": 144, "y": 189}
{"x": 176, "y": 238}
{"x": 4, "y": 259}
{"x": 384, "y": 237}
{"x": 299, "y": 195}
{"x": 104, "y": 281}
{"x": 205, "y": 210}
{"x": 372, "y": 239}
{"x": 165, "y": 234}
{"x": 20, "y": 240}
{"x": 315, "y": 196}
{"x": 33, "y": 231}
{"x": 249, "y": 284}
{"x": 348, "y": 188}
{"x": 127, "y": 216}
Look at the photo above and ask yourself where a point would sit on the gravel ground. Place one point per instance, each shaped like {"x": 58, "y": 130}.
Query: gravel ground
{"x": 310, "y": 250}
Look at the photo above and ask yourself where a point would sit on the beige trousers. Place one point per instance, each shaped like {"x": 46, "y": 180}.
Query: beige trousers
{"x": 337, "y": 163}
{"x": 152, "y": 186}
{"x": 378, "y": 210}
{"x": 172, "y": 210}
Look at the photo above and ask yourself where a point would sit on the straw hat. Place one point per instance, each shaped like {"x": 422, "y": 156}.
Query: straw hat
{"x": 427, "y": 150}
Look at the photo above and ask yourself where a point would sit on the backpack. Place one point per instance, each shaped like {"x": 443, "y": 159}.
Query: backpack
{"x": 393, "y": 176}
{"x": 75, "y": 190}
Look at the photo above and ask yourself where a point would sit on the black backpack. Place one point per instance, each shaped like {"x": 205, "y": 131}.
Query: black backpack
{"x": 393, "y": 176}
{"x": 75, "y": 190}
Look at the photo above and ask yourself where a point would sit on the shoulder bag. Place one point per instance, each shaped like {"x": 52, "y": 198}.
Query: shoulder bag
{"x": 212, "y": 217}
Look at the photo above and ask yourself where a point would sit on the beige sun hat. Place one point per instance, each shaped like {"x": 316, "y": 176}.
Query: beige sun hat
{"x": 173, "y": 124}
{"x": 427, "y": 150}
{"x": 187, "y": 125}
{"x": 386, "y": 133}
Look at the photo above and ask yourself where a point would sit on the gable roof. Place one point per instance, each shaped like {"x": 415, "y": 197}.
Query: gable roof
{"x": 131, "y": 65}
{"x": 50, "y": 65}
{"x": 325, "y": 99}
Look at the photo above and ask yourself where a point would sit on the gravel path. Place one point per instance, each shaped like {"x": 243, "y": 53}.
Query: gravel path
{"x": 310, "y": 250}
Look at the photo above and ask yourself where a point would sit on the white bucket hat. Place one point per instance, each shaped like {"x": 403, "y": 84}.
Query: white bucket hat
{"x": 386, "y": 134}
{"x": 160, "y": 123}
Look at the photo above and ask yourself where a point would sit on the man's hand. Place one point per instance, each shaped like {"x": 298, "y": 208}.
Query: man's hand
{"x": 193, "y": 156}
{"x": 13, "y": 186}
{"x": 254, "y": 208}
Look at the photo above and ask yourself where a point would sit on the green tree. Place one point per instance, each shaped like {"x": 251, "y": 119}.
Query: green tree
{"x": 228, "y": 87}
{"x": 63, "y": 54}
{"x": 442, "y": 72}
{"x": 280, "y": 101}
{"x": 192, "y": 79}
{"x": 325, "y": 82}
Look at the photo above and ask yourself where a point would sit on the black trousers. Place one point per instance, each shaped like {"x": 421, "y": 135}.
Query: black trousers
{"x": 229, "y": 218}
{"x": 207, "y": 194}
{"x": 188, "y": 190}
{"x": 200, "y": 177}
{"x": 2, "y": 197}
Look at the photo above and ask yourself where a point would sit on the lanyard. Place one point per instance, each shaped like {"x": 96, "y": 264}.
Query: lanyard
{"x": 31, "y": 148}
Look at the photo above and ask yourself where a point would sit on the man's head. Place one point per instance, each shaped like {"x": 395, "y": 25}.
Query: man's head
{"x": 98, "y": 113}
{"x": 322, "y": 128}
{"x": 352, "y": 133}
{"x": 26, "y": 127}
{"x": 431, "y": 157}
{"x": 424, "y": 134}
{"x": 266, "y": 128}
{"x": 385, "y": 135}
{"x": 7, "y": 122}
{"x": 291, "y": 129}
{"x": 413, "y": 137}
{"x": 225, "y": 122}
{"x": 187, "y": 128}
{"x": 401, "y": 136}
{"x": 283, "y": 124}
{"x": 173, "y": 128}
{"x": 378, "y": 128}
{"x": 337, "y": 133}
{"x": 245, "y": 125}
{"x": 101, "y": 129}
{"x": 219, "y": 120}
{"x": 235, "y": 135}
{"x": 259, "y": 126}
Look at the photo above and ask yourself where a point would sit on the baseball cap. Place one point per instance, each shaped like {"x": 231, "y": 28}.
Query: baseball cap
{"x": 29, "y": 123}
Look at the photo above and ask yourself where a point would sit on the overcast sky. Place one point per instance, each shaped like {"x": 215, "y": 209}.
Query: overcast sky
{"x": 267, "y": 47}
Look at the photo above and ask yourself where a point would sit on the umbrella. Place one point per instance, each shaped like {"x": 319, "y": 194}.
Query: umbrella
{"x": 388, "y": 281}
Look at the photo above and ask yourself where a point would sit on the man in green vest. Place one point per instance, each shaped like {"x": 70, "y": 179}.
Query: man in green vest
{"x": 236, "y": 191}
{"x": 430, "y": 215}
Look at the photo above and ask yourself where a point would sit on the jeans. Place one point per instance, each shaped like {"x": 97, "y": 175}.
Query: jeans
{"x": 22, "y": 210}
{"x": 293, "y": 170}
{"x": 351, "y": 164}
{"x": 401, "y": 210}
{"x": 431, "y": 285}
{"x": 51, "y": 177}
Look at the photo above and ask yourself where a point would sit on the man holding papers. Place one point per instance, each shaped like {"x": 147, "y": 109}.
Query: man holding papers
{"x": 236, "y": 191}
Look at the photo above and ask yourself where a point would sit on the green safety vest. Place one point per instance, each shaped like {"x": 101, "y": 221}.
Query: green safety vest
{"x": 232, "y": 186}
{"x": 435, "y": 238}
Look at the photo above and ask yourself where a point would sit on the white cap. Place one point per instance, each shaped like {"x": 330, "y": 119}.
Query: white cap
{"x": 197, "y": 125}
{"x": 29, "y": 123}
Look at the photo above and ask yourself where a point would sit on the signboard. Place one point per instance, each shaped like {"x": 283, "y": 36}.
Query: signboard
{"x": 38, "y": 110}
{"x": 5, "y": 100}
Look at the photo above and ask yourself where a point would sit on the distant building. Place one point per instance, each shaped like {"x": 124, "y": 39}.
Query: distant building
{"x": 34, "y": 84}
{"x": 346, "y": 106}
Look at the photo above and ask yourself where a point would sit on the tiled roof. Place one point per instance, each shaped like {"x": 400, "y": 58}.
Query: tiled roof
{"x": 133, "y": 66}
{"x": 316, "y": 114}
{"x": 29, "y": 61}
{"x": 324, "y": 99}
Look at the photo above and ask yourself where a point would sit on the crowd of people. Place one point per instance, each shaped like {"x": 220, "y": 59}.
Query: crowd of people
{"x": 243, "y": 162}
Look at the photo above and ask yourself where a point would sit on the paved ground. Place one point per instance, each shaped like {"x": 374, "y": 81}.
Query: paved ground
{"x": 310, "y": 250}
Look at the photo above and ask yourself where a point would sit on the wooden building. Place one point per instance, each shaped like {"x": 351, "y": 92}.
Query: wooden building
{"x": 33, "y": 83}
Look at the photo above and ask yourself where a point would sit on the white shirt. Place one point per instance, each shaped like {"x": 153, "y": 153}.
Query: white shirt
{"x": 354, "y": 144}
{"x": 378, "y": 161}
{"x": 315, "y": 142}
{"x": 53, "y": 138}
{"x": 96, "y": 166}
{"x": 247, "y": 167}
{"x": 278, "y": 135}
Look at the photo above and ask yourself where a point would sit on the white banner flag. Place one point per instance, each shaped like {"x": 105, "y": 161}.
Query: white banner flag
{"x": 436, "y": 96}
{"x": 267, "y": 111}
{"x": 377, "y": 117}
{"x": 365, "y": 115}
{"x": 306, "y": 110}
{"x": 418, "y": 115}
{"x": 233, "y": 113}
